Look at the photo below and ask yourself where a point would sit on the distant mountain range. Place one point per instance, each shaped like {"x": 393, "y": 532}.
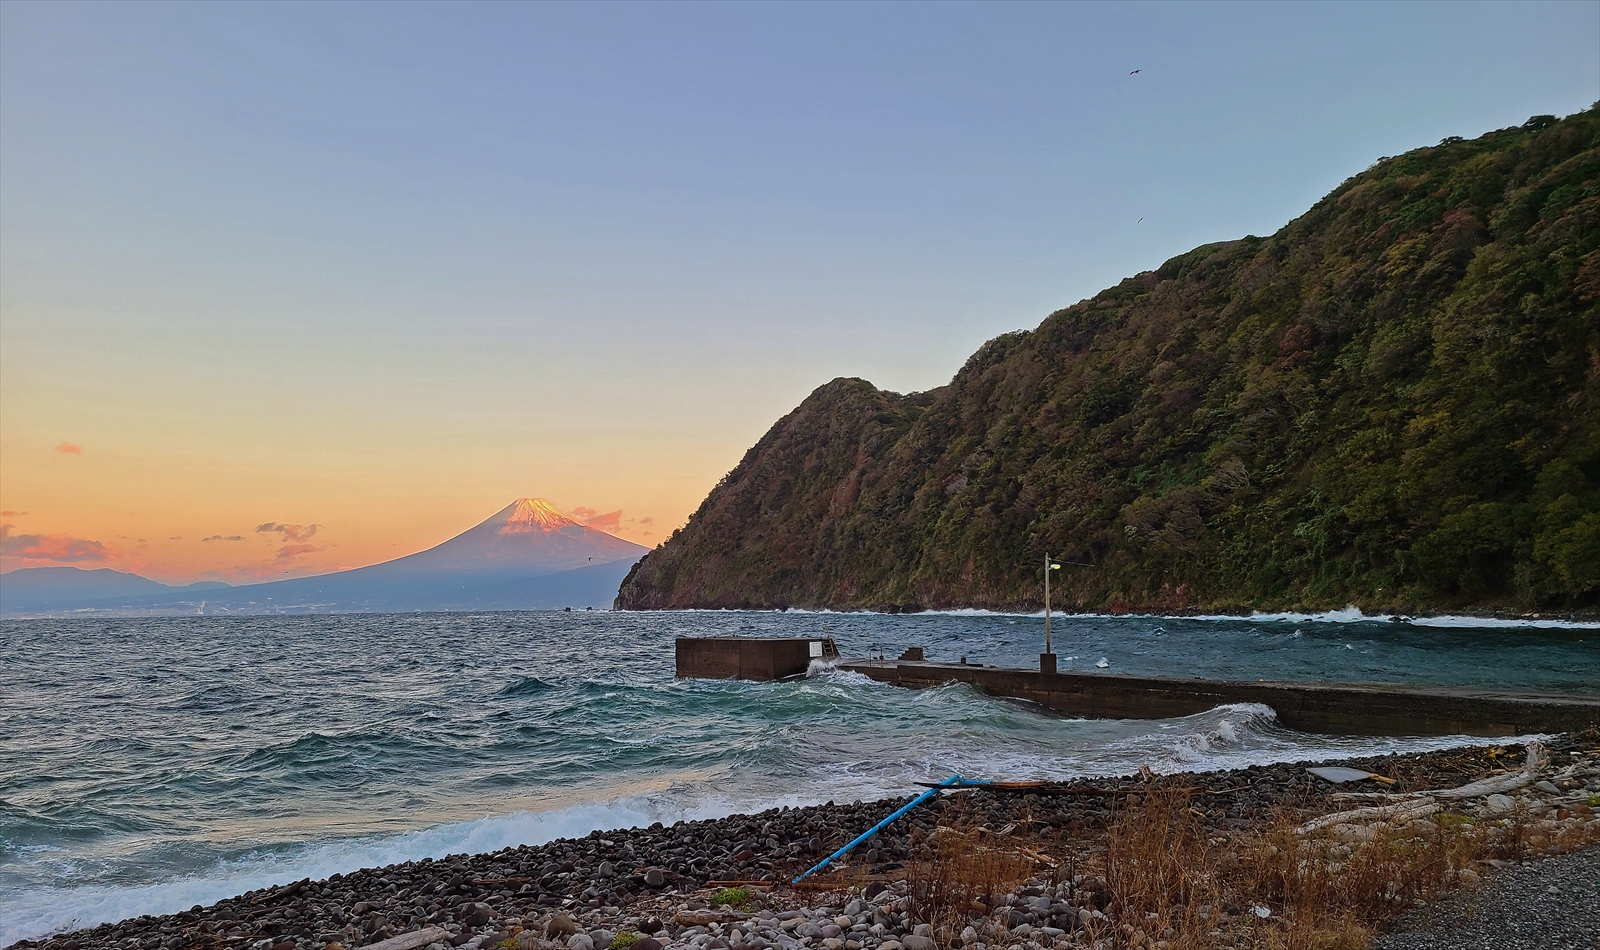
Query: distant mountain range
{"x": 527, "y": 556}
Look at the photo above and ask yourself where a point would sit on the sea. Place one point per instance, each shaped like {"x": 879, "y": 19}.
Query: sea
{"x": 151, "y": 764}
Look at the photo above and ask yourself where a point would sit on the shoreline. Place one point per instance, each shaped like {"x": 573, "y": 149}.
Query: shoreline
{"x": 657, "y": 881}
{"x": 1583, "y": 619}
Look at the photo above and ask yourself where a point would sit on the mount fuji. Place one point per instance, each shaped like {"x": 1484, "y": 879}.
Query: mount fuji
{"x": 527, "y": 556}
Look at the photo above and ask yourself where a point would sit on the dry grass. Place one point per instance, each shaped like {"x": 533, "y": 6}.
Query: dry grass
{"x": 1176, "y": 886}
{"x": 1164, "y": 878}
{"x": 962, "y": 874}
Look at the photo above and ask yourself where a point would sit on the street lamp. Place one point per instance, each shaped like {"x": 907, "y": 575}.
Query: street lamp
{"x": 1047, "y": 659}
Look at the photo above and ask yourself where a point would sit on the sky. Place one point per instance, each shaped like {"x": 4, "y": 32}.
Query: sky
{"x": 292, "y": 287}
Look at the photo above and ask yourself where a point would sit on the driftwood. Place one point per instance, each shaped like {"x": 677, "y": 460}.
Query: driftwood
{"x": 412, "y": 941}
{"x": 1538, "y": 758}
{"x": 1420, "y": 804}
{"x": 1400, "y": 811}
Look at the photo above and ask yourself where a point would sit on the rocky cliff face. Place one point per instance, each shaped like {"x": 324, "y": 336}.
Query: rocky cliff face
{"x": 1394, "y": 401}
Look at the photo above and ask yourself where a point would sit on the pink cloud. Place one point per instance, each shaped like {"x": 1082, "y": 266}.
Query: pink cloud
{"x": 610, "y": 521}
{"x": 218, "y": 537}
{"x": 69, "y": 448}
{"x": 11, "y": 514}
{"x": 289, "y": 552}
{"x": 51, "y": 548}
{"x": 289, "y": 532}
{"x": 604, "y": 520}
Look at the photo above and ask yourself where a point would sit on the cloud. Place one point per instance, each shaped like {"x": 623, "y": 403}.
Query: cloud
{"x": 647, "y": 521}
{"x": 289, "y": 552}
{"x": 12, "y": 514}
{"x": 218, "y": 537}
{"x": 175, "y": 537}
{"x": 53, "y": 548}
{"x": 610, "y": 521}
{"x": 69, "y": 448}
{"x": 289, "y": 532}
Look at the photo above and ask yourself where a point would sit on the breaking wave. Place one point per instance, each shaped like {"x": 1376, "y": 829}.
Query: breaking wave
{"x": 191, "y": 766}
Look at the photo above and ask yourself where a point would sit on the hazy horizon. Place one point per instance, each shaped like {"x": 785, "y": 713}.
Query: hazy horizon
{"x": 286, "y": 289}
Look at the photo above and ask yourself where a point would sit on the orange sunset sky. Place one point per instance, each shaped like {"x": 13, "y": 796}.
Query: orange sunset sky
{"x": 287, "y": 288}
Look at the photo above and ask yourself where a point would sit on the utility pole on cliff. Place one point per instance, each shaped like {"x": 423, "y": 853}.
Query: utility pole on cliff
{"x": 1047, "y": 659}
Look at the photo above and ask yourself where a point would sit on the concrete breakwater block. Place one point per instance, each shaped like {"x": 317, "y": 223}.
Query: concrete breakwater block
{"x": 751, "y": 658}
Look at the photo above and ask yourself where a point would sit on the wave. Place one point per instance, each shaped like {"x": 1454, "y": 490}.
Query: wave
{"x": 524, "y": 686}
{"x": 40, "y": 911}
{"x": 1476, "y": 622}
{"x": 1353, "y": 614}
{"x": 1350, "y": 614}
{"x": 415, "y": 736}
{"x": 1226, "y": 737}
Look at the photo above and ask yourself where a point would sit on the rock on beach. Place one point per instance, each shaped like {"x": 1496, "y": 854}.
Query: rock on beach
{"x": 646, "y": 888}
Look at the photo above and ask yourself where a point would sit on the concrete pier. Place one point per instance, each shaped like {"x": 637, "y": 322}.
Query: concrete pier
{"x": 1365, "y": 709}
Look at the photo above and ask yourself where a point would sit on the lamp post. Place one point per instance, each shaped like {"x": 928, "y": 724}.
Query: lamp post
{"x": 1047, "y": 659}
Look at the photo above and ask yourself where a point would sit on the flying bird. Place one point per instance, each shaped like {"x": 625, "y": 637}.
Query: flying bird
{"x": 1140, "y": 221}
{"x": 1136, "y": 72}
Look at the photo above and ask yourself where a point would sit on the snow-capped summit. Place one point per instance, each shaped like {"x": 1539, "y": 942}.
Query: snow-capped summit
{"x": 531, "y": 514}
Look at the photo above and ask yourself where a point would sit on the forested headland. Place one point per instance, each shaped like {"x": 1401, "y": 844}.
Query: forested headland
{"x": 1394, "y": 402}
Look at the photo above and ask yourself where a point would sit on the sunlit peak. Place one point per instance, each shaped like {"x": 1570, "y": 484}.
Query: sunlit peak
{"x": 534, "y": 514}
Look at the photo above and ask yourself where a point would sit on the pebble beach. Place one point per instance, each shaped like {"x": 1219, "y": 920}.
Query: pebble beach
{"x": 722, "y": 884}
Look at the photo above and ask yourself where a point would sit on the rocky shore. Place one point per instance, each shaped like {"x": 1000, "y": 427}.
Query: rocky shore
{"x": 976, "y": 869}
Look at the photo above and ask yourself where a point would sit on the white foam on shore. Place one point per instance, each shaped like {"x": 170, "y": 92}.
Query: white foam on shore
{"x": 1350, "y": 614}
{"x": 1226, "y": 737}
{"x": 1353, "y": 614}
{"x": 40, "y": 911}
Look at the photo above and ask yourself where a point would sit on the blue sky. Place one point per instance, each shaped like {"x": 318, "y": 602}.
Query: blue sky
{"x": 328, "y": 262}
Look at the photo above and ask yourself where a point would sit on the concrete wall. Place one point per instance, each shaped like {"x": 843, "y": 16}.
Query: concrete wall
{"x": 744, "y": 658}
{"x": 1337, "y": 708}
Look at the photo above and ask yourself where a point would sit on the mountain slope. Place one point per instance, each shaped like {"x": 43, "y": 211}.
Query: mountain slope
{"x": 39, "y": 589}
{"x": 527, "y": 556}
{"x": 528, "y": 536}
{"x": 1394, "y": 401}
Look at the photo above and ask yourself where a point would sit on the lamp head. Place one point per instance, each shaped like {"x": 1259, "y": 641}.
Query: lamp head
{"x": 1055, "y": 567}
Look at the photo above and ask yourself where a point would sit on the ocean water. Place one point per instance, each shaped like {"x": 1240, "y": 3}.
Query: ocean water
{"x": 147, "y": 765}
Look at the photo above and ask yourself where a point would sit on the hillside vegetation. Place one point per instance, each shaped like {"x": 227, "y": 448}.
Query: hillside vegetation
{"x": 1393, "y": 402}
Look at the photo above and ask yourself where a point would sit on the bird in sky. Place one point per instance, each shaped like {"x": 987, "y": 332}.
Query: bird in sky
{"x": 1136, "y": 72}
{"x": 1140, "y": 221}
{"x": 593, "y": 558}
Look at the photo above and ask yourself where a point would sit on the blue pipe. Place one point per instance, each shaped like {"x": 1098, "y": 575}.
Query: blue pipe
{"x": 954, "y": 781}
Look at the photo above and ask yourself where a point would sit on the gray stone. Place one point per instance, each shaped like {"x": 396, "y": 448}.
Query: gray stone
{"x": 560, "y": 926}
{"x": 654, "y": 878}
{"x": 917, "y": 942}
